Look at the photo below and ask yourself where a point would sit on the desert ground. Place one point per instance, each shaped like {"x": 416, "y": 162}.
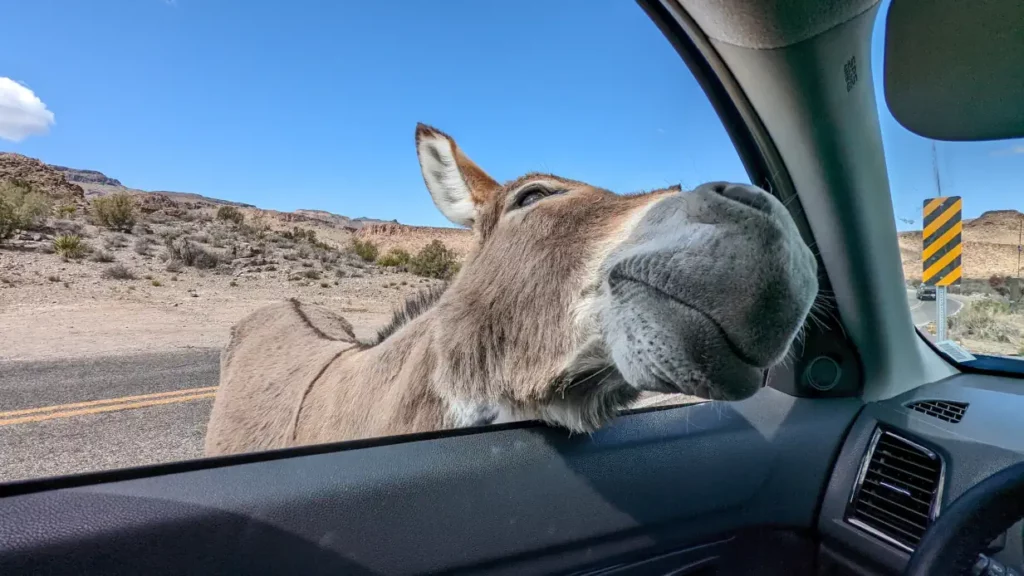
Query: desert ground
{"x": 129, "y": 291}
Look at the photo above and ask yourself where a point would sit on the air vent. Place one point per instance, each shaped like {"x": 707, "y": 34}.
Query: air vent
{"x": 898, "y": 490}
{"x": 948, "y": 411}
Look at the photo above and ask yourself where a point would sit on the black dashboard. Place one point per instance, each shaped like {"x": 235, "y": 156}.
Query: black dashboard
{"x": 906, "y": 457}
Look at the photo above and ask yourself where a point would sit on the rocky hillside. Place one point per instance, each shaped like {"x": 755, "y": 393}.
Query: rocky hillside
{"x": 40, "y": 176}
{"x": 86, "y": 176}
{"x": 989, "y": 246}
{"x": 61, "y": 182}
{"x": 339, "y": 221}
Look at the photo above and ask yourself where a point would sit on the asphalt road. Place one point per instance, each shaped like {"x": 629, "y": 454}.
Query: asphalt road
{"x": 924, "y": 311}
{"x": 75, "y": 416}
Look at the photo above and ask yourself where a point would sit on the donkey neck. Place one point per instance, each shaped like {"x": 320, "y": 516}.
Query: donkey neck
{"x": 380, "y": 390}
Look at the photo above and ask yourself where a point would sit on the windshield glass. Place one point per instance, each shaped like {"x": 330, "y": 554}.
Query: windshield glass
{"x": 957, "y": 207}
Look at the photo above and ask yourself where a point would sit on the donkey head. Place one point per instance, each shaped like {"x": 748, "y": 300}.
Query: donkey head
{"x": 575, "y": 299}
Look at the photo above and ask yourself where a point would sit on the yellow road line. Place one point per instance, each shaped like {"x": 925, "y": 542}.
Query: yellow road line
{"x": 122, "y": 399}
{"x": 107, "y": 408}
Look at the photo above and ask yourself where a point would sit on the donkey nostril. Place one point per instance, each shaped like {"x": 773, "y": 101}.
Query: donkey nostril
{"x": 744, "y": 195}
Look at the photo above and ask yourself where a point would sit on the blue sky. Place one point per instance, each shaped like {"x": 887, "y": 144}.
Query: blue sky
{"x": 313, "y": 104}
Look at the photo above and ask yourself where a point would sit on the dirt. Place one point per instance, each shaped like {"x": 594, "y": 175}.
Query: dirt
{"x": 67, "y": 308}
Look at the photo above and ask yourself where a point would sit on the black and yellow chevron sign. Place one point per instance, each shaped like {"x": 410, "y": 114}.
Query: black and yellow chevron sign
{"x": 942, "y": 241}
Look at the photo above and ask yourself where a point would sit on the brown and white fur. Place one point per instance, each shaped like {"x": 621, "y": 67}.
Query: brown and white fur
{"x": 573, "y": 301}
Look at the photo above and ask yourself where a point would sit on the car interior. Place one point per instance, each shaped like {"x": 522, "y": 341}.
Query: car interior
{"x": 872, "y": 452}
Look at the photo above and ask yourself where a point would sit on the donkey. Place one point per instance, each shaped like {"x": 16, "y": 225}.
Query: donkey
{"x": 573, "y": 301}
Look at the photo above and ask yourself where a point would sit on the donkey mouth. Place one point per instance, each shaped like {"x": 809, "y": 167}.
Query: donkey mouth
{"x": 661, "y": 343}
{"x": 617, "y": 277}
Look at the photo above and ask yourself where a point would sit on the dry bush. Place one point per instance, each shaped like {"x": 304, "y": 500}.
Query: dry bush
{"x": 65, "y": 210}
{"x": 141, "y": 230}
{"x": 174, "y": 266}
{"x": 435, "y": 260}
{"x": 68, "y": 226}
{"x": 118, "y": 272}
{"x": 69, "y": 246}
{"x": 230, "y": 214}
{"x": 365, "y": 249}
{"x": 102, "y": 256}
{"x": 116, "y": 211}
{"x": 142, "y": 245}
{"x": 191, "y": 254}
{"x": 311, "y": 274}
{"x": 396, "y": 257}
{"x": 21, "y": 208}
{"x": 115, "y": 241}
{"x": 987, "y": 320}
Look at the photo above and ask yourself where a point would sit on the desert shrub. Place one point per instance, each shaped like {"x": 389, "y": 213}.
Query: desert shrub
{"x": 21, "y": 208}
{"x": 365, "y": 249}
{"x": 65, "y": 210}
{"x": 53, "y": 278}
{"x": 230, "y": 214}
{"x": 69, "y": 246}
{"x": 115, "y": 241}
{"x": 435, "y": 260}
{"x": 300, "y": 234}
{"x": 395, "y": 257}
{"x": 118, "y": 272}
{"x": 191, "y": 254}
{"x": 116, "y": 211}
{"x": 142, "y": 245}
{"x": 304, "y": 252}
{"x": 141, "y": 230}
{"x": 69, "y": 226}
{"x": 311, "y": 274}
{"x": 174, "y": 265}
{"x": 987, "y": 320}
{"x": 156, "y": 283}
{"x": 102, "y": 256}
{"x": 325, "y": 284}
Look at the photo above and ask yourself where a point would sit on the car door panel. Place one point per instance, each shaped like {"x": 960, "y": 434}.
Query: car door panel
{"x": 523, "y": 498}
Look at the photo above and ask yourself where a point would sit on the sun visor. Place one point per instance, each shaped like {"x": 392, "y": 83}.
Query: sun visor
{"x": 954, "y": 69}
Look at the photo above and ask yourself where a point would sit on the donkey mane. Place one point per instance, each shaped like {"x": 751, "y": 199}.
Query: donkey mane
{"x": 416, "y": 304}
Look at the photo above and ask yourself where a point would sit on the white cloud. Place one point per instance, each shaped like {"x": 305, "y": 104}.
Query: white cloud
{"x": 1009, "y": 151}
{"x": 22, "y": 113}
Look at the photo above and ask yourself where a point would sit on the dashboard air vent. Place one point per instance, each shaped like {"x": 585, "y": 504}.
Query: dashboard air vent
{"x": 898, "y": 490}
{"x": 948, "y": 411}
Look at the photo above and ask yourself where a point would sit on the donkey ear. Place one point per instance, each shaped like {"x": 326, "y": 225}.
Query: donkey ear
{"x": 458, "y": 186}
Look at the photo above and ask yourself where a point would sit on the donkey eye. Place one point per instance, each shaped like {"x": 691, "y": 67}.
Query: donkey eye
{"x": 531, "y": 197}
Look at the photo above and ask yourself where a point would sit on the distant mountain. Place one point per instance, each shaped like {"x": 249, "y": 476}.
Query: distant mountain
{"x": 86, "y": 176}
{"x": 191, "y": 197}
{"x": 989, "y": 246}
{"x": 80, "y": 184}
{"x": 339, "y": 221}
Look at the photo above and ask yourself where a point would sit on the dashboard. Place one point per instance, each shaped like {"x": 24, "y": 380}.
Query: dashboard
{"x": 906, "y": 457}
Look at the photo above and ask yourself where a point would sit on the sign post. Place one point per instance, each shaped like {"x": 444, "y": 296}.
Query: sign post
{"x": 941, "y": 254}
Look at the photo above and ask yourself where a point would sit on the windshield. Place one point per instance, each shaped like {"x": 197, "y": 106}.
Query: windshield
{"x": 957, "y": 207}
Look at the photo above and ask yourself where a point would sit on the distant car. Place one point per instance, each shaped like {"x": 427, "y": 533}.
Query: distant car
{"x": 925, "y": 292}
